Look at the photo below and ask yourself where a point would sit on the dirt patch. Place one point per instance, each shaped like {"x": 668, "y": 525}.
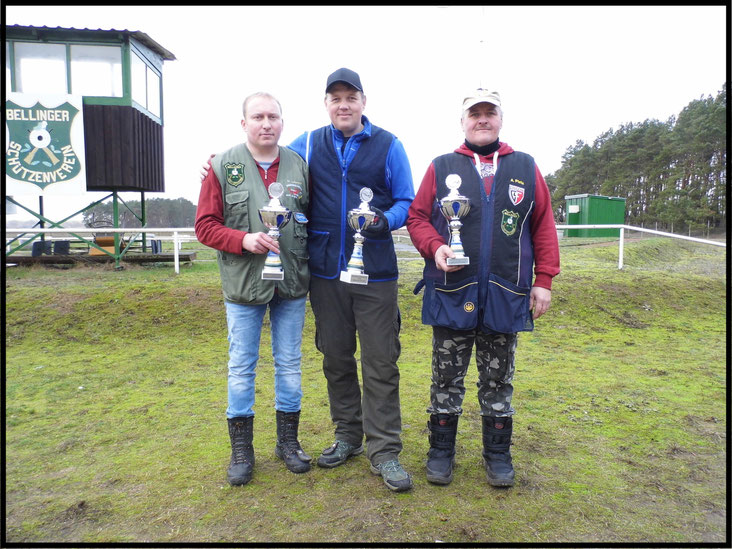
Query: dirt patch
{"x": 626, "y": 318}
{"x": 64, "y": 302}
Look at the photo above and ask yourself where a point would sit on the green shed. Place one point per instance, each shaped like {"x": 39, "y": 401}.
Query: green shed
{"x": 593, "y": 209}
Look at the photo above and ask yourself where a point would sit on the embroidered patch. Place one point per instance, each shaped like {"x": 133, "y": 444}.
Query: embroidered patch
{"x": 300, "y": 217}
{"x": 294, "y": 190}
{"x": 234, "y": 174}
{"x": 469, "y": 307}
{"x": 509, "y": 222}
{"x": 516, "y": 194}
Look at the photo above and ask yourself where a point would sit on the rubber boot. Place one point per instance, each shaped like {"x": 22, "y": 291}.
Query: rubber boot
{"x": 288, "y": 447}
{"x": 242, "y": 452}
{"x": 441, "y": 455}
{"x": 497, "y": 450}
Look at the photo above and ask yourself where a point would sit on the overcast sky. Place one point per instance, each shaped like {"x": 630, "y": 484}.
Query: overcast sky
{"x": 564, "y": 73}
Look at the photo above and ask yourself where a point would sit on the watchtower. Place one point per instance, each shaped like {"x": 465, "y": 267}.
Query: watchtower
{"x": 117, "y": 75}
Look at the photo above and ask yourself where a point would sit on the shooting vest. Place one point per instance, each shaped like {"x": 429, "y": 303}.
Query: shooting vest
{"x": 492, "y": 292}
{"x": 243, "y": 194}
{"x": 336, "y": 191}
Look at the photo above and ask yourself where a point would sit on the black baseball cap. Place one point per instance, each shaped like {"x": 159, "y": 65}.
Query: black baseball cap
{"x": 347, "y": 76}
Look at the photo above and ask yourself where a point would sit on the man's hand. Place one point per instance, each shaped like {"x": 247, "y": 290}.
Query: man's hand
{"x": 539, "y": 301}
{"x": 441, "y": 255}
{"x": 206, "y": 166}
{"x": 379, "y": 227}
{"x": 260, "y": 243}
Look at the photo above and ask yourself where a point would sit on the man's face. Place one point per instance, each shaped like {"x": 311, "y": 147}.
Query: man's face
{"x": 345, "y": 106}
{"x": 263, "y": 122}
{"x": 481, "y": 124}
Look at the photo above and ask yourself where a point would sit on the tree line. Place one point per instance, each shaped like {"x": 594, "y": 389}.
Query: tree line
{"x": 672, "y": 174}
{"x": 159, "y": 212}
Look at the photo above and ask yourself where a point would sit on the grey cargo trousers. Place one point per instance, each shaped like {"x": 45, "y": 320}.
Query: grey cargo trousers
{"x": 341, "y": 311}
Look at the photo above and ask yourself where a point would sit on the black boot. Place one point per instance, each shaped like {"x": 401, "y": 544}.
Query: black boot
{"x": 242, "y": 452}
{"x": 497, "y": 450}
{"x": 441, "y": 455}
{"x": 288, "y": 447}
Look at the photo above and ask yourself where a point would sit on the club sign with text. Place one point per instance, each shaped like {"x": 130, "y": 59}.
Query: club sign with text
{"x": 45, "y": 144}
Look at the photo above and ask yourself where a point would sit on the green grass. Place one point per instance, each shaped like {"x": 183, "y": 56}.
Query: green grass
{"x": 116, "y": 392}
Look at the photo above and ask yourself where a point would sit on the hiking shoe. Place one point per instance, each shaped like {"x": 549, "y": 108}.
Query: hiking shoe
{"x": 338, "y": 453}
{"x": 394, "y": 475}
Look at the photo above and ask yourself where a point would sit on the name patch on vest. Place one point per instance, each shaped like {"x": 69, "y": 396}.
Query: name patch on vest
{"x": 294, "y": 189}
{"x": 509, "y": 222}
{"x": 234, "y": 173}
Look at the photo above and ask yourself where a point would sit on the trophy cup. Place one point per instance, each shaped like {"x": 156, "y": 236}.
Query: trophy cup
{"x": 453, "y": 207}
{"x": 274, "y": 216}
{"x": 359, "y": 219}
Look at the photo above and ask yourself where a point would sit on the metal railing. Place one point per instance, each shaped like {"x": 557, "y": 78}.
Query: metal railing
{"x": 178, "y": 235}
{"x": 623, "y": 228}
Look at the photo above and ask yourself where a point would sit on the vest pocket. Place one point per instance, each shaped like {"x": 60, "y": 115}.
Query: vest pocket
{"x": 237, "y": 210}
{"x": 507, "y": 307}
{"x": 379, "y": 258}
{"x": 318, "y": 249}
{"x": 452, "y": 306}
{"x": 297, "y": 274}
{"x": 240, "y": 278}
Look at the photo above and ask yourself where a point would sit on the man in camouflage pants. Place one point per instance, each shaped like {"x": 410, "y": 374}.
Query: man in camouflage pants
{"x": 451, "y": 352}
{"x": 507, "y": 231}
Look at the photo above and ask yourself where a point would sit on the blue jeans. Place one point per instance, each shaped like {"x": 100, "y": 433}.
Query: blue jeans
{"x": 287, "y": 317}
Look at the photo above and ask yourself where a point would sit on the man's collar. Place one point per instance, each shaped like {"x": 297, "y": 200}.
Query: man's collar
{"x": 366, "y": 131}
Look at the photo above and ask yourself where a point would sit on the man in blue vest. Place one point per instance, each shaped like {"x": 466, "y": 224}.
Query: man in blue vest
{"x": 510, "y": 239}
{"x": 344, "y": 157}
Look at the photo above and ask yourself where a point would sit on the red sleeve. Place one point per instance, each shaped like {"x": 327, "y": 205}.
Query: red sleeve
{"x": 210, "y": 228}
{"x": 544, "y": 236}
{"x": 419, "y": 220}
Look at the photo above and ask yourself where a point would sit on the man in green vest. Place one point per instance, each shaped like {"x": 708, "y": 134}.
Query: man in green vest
{"x": 228, "y": 220}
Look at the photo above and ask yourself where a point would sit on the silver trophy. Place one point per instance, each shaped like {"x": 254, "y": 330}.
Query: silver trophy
{"x": 453, "y": 207}
{"x": 359, "y": 219}
{"x": 274, "y": 216}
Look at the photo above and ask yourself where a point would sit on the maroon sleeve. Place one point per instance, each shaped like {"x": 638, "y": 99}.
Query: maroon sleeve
{"x": 419, "y": 220}
{"x": 210, "y": 228}
{"x": 544, "y": 236}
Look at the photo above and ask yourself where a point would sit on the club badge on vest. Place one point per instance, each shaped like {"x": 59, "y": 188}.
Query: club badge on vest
{"x": 234, "y": 173}
{"x": 516, "y": 194}
{"x": 509, "y": 222}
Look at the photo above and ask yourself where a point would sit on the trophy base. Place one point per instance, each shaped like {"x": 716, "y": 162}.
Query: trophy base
{"x": 354, "y": 278}
{"x": 273, "y": 275}
{"x": 458, "y": 261}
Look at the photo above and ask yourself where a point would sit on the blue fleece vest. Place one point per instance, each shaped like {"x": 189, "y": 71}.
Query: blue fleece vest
{"x": 492, "y": 292}
{"x": 335, "y": 191}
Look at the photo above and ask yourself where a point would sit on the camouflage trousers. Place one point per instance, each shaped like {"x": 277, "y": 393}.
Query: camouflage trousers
{"x": 451, "y": 353}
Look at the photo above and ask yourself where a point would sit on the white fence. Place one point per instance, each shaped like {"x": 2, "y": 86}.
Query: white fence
{"x": 178, "y": 235}
{"x": 623, "y": 228}
{"x": 183, "y": 234}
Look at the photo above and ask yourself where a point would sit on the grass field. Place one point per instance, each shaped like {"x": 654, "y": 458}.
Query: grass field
{"x": 116, "y": 391}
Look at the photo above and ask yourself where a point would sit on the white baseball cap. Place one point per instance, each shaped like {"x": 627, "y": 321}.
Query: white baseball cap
{"x": 482, "y": 96}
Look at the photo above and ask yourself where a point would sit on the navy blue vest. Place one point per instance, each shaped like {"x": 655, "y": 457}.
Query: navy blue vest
{"x": 335, "y": 191}
{"x": 492, "y": 292}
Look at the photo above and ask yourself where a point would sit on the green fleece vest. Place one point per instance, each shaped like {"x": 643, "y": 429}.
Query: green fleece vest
{"x": 243, "y": 194}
